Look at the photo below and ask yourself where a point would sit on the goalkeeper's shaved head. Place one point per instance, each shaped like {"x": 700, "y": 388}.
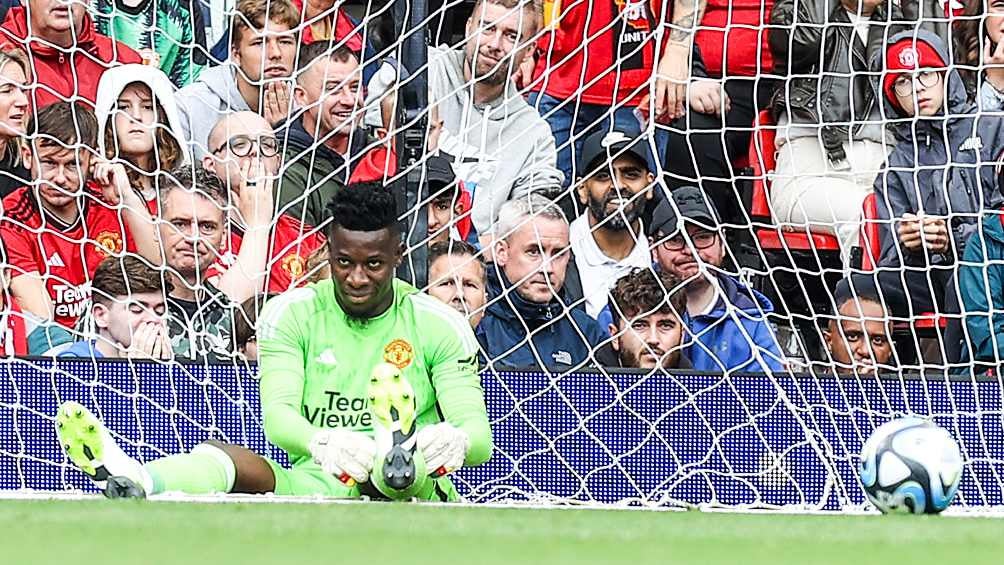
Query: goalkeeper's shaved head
{"x": 364, "y": 206}
{"x": 365, "y": 248}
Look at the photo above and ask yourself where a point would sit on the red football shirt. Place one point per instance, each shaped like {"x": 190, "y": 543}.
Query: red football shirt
{"x": 601, "y": 52}
{"x": 291, "y": 243}
{"x": 65, "y": 255}
{"x": 13, "y": 340}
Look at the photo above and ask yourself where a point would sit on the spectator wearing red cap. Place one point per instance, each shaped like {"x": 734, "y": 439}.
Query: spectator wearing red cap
{"x": 939, "y": 177}
{"x": 67, "y": 54}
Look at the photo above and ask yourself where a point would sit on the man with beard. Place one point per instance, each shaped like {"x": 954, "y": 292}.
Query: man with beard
{"x": 727, "y": 319}
{"x": 608, "y": 240}
{"x": 500, "y": 147}
{"x": 647, "y": 326}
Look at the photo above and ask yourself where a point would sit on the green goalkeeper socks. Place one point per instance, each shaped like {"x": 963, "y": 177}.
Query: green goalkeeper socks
{"x": 205, "y": 470}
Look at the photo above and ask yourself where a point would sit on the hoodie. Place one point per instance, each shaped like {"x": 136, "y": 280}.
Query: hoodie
{"x": 202, "y": 103}
{"x": 501, "y": 149}
{"x": 723, "y": 339}
{"x": 63, "y": 74}
{"x": 563, "y": 337}
{"x": 312, "y": 172}
{"x": 941, "y": 165}
{"x": 981, "y": 286}
{"x": 114, "y": 81}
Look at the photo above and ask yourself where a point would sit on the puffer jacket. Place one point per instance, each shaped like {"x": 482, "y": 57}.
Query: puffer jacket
{"x": 63, "y": 74}
{"x": 814, "y": 42}
{"x": 943, "y": 165}
{"x": 563, "y": 337}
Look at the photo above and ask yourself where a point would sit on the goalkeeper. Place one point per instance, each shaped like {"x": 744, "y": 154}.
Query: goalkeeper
{"x": 369, "y": 385}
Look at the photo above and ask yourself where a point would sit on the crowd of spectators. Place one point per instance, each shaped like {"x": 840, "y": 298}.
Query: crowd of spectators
{"x": 583, "y": 183}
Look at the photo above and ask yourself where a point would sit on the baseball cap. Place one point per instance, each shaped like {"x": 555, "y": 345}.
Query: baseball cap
{"x": 692, "y": 204}
{"x": 438, "y": 175}
{"x": 608, "y": 144}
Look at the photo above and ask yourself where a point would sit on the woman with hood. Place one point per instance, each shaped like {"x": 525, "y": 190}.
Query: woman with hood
{"x": 138, "y": 123}
{"x": 14, "y": 78}
{"x": 939, "y": 178}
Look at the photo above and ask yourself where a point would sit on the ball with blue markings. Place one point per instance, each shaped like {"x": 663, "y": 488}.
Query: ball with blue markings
{"x": 910, "y": 465}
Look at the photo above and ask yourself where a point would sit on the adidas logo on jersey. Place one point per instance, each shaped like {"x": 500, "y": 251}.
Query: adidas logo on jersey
{"x": 55, "y": 261}
{"x": 327, "y": 357}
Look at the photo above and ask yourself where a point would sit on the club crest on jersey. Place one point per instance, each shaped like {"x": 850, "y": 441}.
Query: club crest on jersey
{"x": 398, "y": 353}
{"x": 635, "y": 13}
{"x": 108, "y": 243}
{"x": 294, "y": 265}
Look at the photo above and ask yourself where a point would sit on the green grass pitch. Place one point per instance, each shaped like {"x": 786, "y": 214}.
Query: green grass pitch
{"x": 100, "y": 532}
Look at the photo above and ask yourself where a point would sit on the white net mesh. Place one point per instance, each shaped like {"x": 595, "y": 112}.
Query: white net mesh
{"x": 612, "y": 193}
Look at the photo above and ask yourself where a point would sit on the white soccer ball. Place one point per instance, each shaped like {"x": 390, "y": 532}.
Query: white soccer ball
{"x": 910, "y": 465}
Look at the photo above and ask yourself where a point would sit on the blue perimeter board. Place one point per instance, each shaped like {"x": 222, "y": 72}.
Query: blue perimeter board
{"x": 746, "y": 440}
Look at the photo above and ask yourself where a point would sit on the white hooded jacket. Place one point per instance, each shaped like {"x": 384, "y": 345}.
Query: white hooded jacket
{"x": 116, "y": 79}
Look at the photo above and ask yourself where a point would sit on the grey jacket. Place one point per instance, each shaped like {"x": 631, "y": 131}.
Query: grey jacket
{"x": 501, "y": 150}
{"x": 202, "y": 103}
{"x": 942, "y": 165}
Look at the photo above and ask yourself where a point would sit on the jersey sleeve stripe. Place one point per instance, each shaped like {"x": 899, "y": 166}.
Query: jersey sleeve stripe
{"x": 450, "y": 317}
{"x": 276, "y": 308}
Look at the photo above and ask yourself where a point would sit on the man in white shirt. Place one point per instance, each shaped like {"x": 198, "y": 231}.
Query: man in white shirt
{"x": 608, "y": 241}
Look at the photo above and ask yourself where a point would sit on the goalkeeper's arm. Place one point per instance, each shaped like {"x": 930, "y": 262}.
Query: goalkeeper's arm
{"x": 461, "y": 399}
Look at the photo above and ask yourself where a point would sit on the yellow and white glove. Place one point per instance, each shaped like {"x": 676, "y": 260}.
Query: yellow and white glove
{"x": 346, "y": 454}
{"x": 443, "y": 446}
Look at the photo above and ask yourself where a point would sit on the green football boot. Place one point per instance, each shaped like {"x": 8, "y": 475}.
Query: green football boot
{"x": 398, "y": 465}
{"x": 88, "y": 445}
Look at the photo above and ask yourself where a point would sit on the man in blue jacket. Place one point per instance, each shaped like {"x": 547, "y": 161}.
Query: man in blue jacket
{"x": 938, "y": 179}
{"x": 529, "y": 321}
{"x": 727, "y": 320}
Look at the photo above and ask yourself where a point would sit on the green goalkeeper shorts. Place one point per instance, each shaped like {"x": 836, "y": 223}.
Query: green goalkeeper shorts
{"x": 307, "y": 479}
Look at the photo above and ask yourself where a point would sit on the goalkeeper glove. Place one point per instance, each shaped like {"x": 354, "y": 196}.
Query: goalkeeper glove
{"x": 443, "y": 446}
{"x": 345, "y": 454}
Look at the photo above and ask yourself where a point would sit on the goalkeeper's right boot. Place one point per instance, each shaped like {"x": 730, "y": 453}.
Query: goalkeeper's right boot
{"x": 398, "y": 466}
{"x": 90, "y": 447}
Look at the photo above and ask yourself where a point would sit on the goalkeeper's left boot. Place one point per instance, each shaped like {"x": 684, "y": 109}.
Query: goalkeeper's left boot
{"x": 399, "y": 470}
{"x": 90, "y": 447}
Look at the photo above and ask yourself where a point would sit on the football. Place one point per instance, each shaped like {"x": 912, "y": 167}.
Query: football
{"x": 910, "y": 465}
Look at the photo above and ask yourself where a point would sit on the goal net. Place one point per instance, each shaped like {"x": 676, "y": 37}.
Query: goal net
{"x": 706, "y": 247}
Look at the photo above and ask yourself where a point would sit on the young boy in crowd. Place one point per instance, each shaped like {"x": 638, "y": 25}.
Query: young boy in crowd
{"x": 937, "y": 180}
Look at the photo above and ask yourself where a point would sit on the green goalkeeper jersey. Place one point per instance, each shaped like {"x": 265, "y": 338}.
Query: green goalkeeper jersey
{"x": 315, "y": 364}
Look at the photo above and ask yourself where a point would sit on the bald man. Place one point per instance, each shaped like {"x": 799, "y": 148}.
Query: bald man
{"x": 261, "y": 251}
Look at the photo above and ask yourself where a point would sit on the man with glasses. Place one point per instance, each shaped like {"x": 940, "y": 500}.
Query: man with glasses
{"x": 608, "y": 241}
{"x": 939, "y": 178}
{"x": 322, "y": 144}
{"x": 726, "y": 319}
{"x": 261, "y": 250}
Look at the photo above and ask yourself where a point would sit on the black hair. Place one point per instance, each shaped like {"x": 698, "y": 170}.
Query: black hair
{"x": 364, "y": 206}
